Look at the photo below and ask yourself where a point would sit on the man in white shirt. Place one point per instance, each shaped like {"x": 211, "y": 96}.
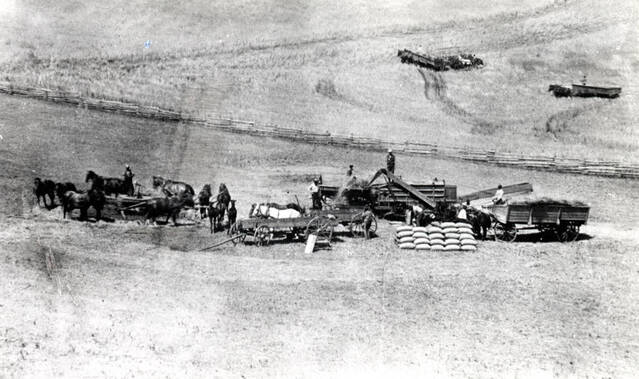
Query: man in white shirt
{"x": 499, "y": 196}
{"x": 315, "y": 197}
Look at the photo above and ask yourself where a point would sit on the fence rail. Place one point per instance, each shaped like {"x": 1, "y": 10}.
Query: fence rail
{"x": 542, "y": 163}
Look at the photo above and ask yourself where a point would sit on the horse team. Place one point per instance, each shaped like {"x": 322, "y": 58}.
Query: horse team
{"x": 178, "y": 195}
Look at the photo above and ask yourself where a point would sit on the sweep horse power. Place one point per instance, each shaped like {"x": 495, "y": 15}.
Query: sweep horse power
{"x": 109, "y": 185}
{"x": 172, "y": 187}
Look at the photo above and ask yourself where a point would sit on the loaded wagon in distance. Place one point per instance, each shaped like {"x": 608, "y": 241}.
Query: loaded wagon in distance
{"x": 559, "y": 218}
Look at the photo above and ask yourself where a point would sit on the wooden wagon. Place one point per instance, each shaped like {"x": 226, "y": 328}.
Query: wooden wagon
{"x": 319, "y": 222}
{"x": 561, "y": 219}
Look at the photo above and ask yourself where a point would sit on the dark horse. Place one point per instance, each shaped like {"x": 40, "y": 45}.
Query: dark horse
{"x": 172, "y": 187}
{"x": 169, "y": 206}
{"x": 204, "y": 199}
{"x": 223, "y": 200}
{"x": 108, "y": 185}
{"x": 42, "y": 189}
{"x": 62, "y": 188}
{"x": 74, "y": 200}
{"x": 216, "y": 214}
{"x": 481, "y": 221}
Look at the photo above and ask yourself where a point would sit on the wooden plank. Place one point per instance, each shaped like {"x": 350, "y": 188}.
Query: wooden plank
{"x": 521, "y": 188}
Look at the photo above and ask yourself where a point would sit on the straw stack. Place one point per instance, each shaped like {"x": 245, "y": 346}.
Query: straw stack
{"x": 445, "y": 236}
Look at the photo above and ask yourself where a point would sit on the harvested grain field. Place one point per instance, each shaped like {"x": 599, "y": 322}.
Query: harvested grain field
{"x": 118, "y": 298}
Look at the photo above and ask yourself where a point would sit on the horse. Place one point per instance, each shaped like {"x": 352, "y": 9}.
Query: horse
{"x": 169, "y": 206}
{"x": 62, "y": 188}
{"x": 223, "y": 200}
{"x": 204, "y": 199}
{"x": 172, "y": 187}
{"x": 75, "y": 200}
{"x": 42, "y": 189}
{"x": 480, "y": 221}
{"x": 216, "y": 214}
{"x": 265, "y": 211}
{"x": 108, "y": 185}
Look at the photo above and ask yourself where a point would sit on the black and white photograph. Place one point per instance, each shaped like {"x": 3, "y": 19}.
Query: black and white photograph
{"x": 319, "y": 189}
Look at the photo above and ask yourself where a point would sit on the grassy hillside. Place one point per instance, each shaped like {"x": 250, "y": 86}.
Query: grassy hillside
{"x": 329, "y": 66}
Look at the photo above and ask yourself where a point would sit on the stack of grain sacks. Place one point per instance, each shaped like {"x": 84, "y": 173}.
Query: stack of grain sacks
{"x": 437, "y": 236}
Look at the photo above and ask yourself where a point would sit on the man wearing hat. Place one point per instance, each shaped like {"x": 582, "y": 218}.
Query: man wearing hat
{"x": 349, "y": 172}
{"x": 315, "y": 194}
{"x": 390, "y": 161}
{"x": 128, "y": 181}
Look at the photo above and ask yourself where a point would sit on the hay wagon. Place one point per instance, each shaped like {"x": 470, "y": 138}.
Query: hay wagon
{"x": 548, "y": 217}
{"x": 319, "y": 222}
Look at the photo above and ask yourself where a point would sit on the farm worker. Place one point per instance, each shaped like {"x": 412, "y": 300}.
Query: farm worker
{"x": 315, "y": 194}
{"x": 499, "y": 195}
{"x": 128, "y": 181}
{"x": 367, "y": 217}
{"x": 349, "y": 172}
{"x": 461, "y": 215}
{"x": 390, "y": 161}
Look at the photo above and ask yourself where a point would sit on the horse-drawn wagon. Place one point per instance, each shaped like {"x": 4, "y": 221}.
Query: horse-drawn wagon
{"x": 563, "y": 219}
{"x": 321, "y": 223}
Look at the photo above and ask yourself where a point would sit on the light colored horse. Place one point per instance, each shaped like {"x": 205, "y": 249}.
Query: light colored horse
{"x": 264, "y": 210}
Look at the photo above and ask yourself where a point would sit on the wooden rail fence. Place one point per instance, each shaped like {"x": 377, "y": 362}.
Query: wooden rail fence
{"x": 543, "y": 163}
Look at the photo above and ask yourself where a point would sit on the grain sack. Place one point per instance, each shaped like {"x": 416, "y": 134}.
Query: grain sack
{"x": 451, "y": 248}
{"x": 453, "y": 235}
{"x": 436, "y": 236}
{"x": 466, "y": 236}
{"x": 469, "y": 242}
{"x": 436, "y": 223}
{"x": 407, "y": 245}
{"x": 437, "y": 242}
{"x": 434, "y": 229}
{"x": 422, "y": 247}
{"x": 462, "y": 225}
{"x": 437, "y": 247}
{"x": 450, "y": 230}
{"x": 468, "y": 248}
{"x": 404, "y": 228}
{"x": 405, "y": 233}
{"x": 448, "y": 225}
{"x": 421, "y": 241}
{"x": 420, "y": 235}
{"x": 451, "y": 241}
{"x": 420, "y": 229}
{"x": 406, "y": 239}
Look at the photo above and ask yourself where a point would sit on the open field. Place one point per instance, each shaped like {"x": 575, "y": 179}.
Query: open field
{"x": 123, "y": 299}
{"x": 120, "y": 299}
{"x": 343, "y": 76}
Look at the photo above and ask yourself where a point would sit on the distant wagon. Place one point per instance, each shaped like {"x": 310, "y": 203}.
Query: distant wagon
{"x": 582, "y": 90}
{"x": 563, "y": 219}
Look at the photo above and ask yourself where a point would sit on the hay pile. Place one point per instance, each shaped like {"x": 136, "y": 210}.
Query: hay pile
{"x": 548, "y": 201}
{"x": 449, "y": 236}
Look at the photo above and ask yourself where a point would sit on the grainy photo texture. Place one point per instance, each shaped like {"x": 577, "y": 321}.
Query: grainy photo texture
{"x": 319, "y": 189}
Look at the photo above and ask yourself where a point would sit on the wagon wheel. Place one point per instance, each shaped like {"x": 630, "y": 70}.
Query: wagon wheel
{"x": 262, "y": 235}
{"x": 320, "y": 226}
{"x": 567, "y": 232}
{"x": 504, "y": 232}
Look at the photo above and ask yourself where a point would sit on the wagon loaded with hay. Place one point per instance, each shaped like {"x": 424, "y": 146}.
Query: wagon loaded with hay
{"x": 560, "y": 218}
